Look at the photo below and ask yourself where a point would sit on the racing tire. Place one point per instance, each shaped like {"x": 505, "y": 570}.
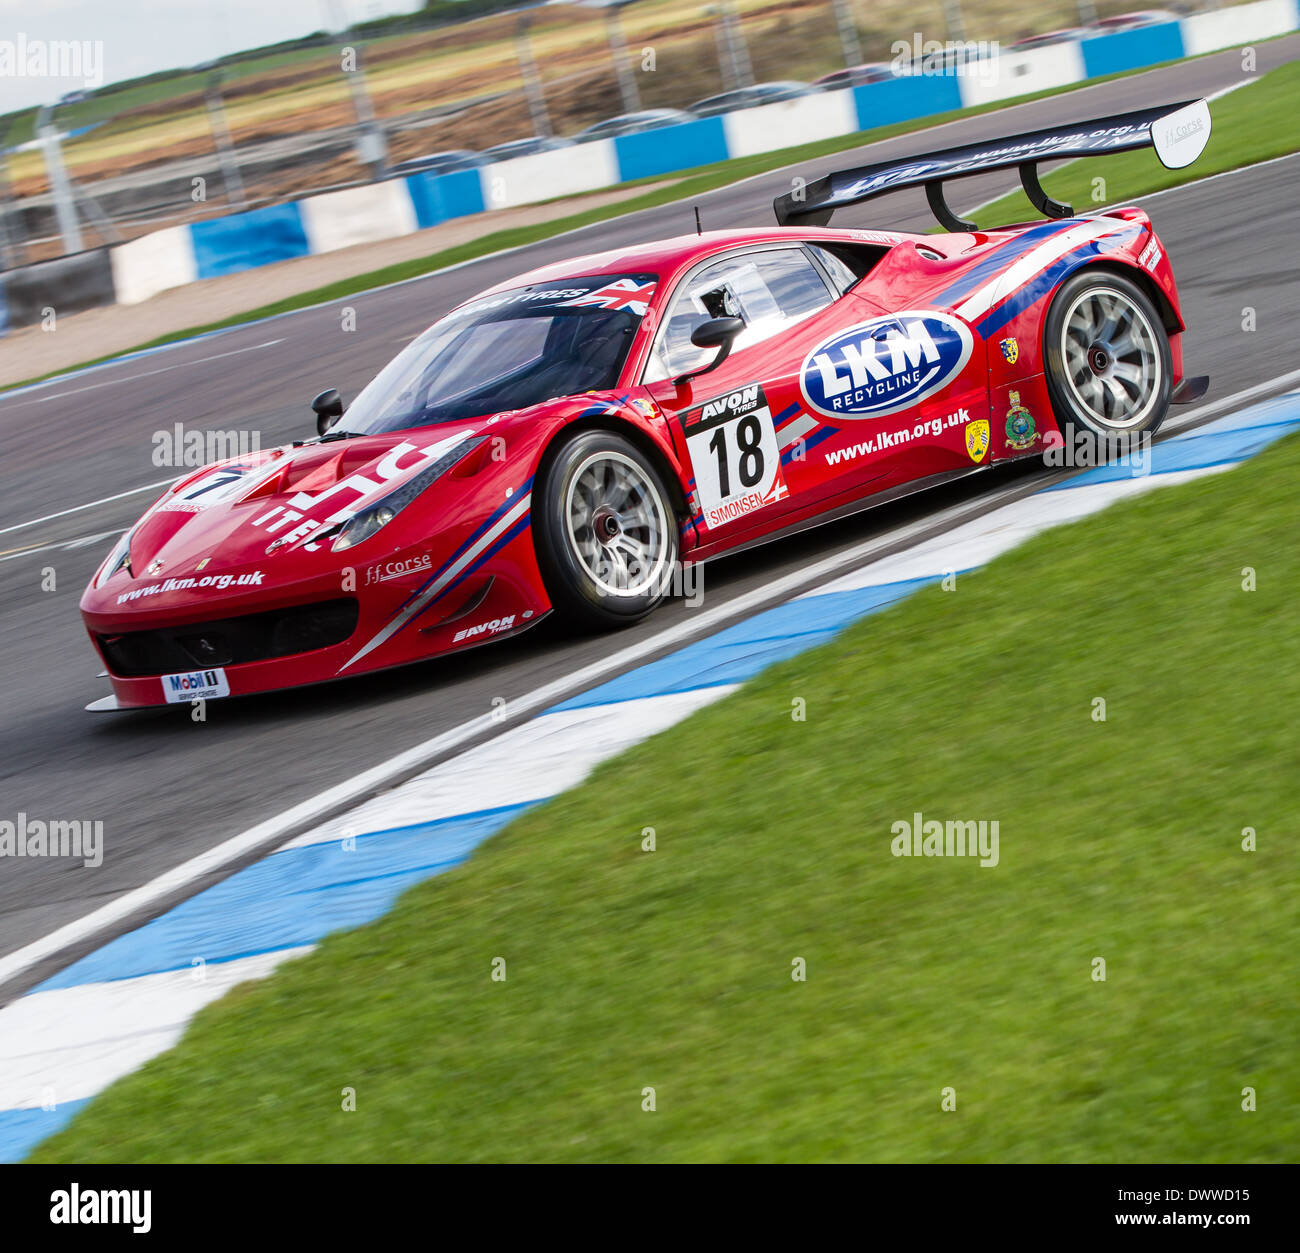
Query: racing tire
{"x": 1106, "y": 357}
{"x": 606, "y": 532}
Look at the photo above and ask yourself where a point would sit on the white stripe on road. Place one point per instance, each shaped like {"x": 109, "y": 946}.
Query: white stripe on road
{"x": 132, "y": 378}
{"x": 82, "y": 541}
{"x": 978, "y": 542}
{"x": 90, "y": 504}
{"x": 531, "y": 762}
{"x": 69, "y": 1043}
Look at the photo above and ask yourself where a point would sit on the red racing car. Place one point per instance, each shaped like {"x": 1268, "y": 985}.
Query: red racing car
{"x": 567, "y": 438}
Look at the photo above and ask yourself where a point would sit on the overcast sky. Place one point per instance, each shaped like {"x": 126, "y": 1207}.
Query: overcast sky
{"x": 143, "y": 36}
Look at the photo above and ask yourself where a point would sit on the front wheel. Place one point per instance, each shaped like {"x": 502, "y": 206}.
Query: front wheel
{"x": 1106, "y": 357}
{"x": 606, "y": 532}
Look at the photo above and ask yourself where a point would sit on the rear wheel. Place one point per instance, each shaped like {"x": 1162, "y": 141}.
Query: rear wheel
{"x": 1106, "y": 356}
{"x": 607, "y": 534}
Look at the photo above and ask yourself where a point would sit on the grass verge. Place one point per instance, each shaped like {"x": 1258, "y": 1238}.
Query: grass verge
{"x": 1119, "y": 839}
{"x": 1252, "y": 124}
{"x": 686, "y": 184}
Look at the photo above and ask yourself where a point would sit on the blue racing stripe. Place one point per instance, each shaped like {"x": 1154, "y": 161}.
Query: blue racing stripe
{"x": 808, "y": 444}
{"x": 1042, "y": 283}
{"x": 998, "y": 260}
{"x": 511, "y": 502}
{"x": 501, "y": 541}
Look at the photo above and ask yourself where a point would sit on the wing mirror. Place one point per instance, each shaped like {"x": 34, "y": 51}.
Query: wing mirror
{"x": 719, "y": 333}
{"x": 328, "y": 407}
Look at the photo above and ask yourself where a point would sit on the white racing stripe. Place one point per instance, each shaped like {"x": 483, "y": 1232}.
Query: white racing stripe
{"x": 1020, "y": 271}
{"x": 796, "y": 430}
{"x": 506, "y": 521}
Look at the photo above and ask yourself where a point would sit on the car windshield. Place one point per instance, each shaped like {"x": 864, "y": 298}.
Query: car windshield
{"x": 507, "y": 351}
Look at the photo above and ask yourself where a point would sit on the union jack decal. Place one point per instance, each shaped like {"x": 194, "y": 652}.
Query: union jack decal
{"x": 625, "y": 293}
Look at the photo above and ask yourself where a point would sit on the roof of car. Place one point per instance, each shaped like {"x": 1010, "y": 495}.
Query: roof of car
{"x": 666, "y": 256}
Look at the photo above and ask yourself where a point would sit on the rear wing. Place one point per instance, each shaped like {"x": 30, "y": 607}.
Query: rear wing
{"x": 1178, "y": 133}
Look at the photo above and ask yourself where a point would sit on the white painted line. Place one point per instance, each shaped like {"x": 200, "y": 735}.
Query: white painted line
{"x": 1192, "y": 416}
{"x": 980, "y": 541}
{"x": 82, "y": 541}
{"x": 132, "y": 378}
{"x": 275, "y": 830}
{"x": 90, "y": 504}
{"x": 1211, "y": 178}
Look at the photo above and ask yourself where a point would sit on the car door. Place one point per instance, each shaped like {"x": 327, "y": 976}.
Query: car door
{"x": 743, "y": 428}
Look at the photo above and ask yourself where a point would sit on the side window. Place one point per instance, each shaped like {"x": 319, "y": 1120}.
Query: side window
{"x": 841, "y": 274}
{"x": 769, "y": 290}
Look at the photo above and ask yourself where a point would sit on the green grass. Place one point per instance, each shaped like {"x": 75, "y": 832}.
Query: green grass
{"x": 672, "y": 969}
{"x": 683, "y": 186}
{"x": 1253, "y": 124}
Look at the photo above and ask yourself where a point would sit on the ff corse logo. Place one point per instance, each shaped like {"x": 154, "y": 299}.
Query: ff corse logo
{"x": 885, "y": 365}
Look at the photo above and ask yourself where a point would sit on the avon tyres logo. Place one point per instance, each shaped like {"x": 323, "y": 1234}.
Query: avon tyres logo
{"x": 886, "y": 364}
{"x": 484, "y": 628}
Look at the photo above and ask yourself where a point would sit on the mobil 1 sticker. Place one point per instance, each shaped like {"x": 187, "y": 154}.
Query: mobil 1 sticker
{"x": 734, "y": 453}
{"x": 195, "y": 685}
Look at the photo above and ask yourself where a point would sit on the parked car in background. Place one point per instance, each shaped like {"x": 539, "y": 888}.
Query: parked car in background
{"x": 526, "y": 147}
{"x": 1065, "y": 35}
{"x": 440, "y": 162}
{"x": 632, "y": 123}
{"x": 1132, "y": 21}
{"x": 854, "y": 76}
{"x": 748, "y": 97}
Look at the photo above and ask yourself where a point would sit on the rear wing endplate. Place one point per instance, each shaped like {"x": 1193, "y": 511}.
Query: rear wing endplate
{"x": 1178, "y": 133}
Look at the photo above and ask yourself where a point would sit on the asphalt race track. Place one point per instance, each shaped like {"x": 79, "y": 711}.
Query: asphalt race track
{"x": 167, "y": 788}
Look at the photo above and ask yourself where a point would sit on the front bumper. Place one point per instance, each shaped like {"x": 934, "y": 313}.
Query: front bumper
{"x": 174, "y": 653}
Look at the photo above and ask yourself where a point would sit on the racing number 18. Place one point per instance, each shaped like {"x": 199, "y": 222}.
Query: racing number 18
{"x": 733, "y": 449}
{"x": 749, "y": 434}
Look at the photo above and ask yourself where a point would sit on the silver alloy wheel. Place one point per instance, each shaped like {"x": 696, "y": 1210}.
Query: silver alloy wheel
{"x": 617, "y": 525}
{"x": 1112, "y": 358}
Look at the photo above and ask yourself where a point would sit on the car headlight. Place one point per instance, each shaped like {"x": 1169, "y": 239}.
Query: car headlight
{"x": 117, "y": 559}
{"x": 361, "y": 526}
